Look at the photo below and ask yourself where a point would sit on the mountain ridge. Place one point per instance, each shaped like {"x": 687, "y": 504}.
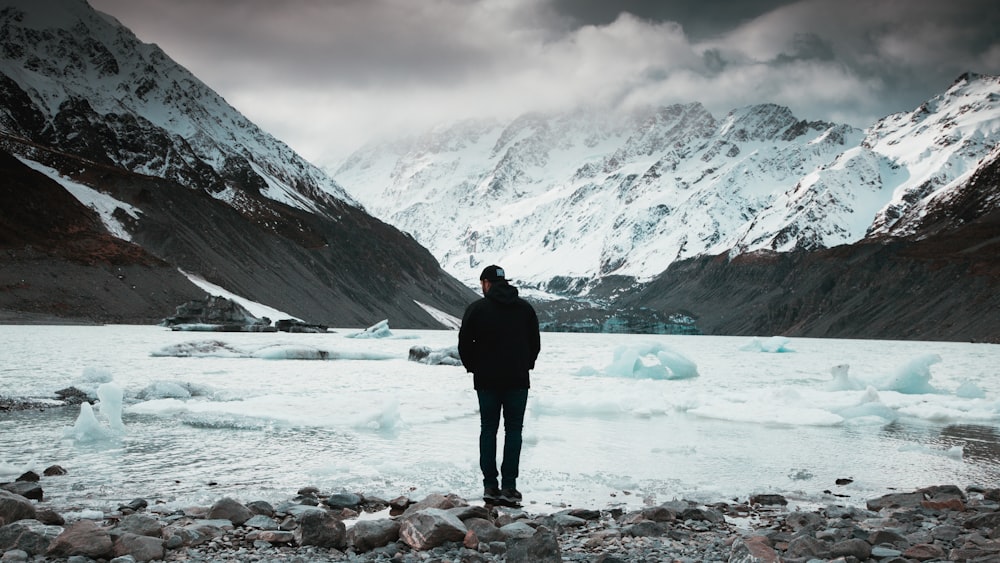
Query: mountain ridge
{"x": 667, "y": 183}
{"x": 172, "y": 168}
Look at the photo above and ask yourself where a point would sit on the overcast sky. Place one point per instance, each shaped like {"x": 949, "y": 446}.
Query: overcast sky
{"x": 326, "y": 75}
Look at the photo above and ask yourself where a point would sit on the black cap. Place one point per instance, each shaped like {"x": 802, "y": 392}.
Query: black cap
{"x": 493, "y": 273}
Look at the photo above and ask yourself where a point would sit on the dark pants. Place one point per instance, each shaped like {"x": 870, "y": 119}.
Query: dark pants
{"x": 491, "y": 403}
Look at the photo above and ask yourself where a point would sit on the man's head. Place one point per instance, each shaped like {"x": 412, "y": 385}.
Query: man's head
{"x": 492, "y": 275}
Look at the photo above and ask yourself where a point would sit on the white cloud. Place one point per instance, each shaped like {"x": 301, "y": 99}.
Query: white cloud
{"x": 324, "y": 76}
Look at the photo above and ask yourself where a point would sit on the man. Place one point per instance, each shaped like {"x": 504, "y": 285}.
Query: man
{"x": 499, "y": 343}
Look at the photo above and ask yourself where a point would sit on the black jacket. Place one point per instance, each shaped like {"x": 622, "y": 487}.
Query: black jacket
{"x": 499, "y": 339}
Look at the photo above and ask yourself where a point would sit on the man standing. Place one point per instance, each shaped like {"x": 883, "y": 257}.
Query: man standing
{"x": 499, "y": 343}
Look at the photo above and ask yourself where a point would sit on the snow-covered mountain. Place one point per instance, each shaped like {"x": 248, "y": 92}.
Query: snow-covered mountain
{"x": 74, "y": 62}
{"x": 171, "y": 167}
{"x": 563, "y": 201}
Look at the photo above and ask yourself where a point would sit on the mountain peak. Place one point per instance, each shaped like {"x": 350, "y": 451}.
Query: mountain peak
{"x": 568, "y": 199}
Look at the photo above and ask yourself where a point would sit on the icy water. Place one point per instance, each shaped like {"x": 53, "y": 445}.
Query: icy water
{"x": 612, "y": 419}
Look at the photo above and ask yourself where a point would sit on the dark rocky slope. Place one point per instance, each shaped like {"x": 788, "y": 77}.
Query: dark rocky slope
{"x": 352, "y": 271}
{"x": 59, "y": 264}
{"x": 940, "y": 288}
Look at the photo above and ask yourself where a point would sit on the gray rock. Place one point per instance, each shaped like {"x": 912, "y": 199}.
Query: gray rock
{"x": 859, "y": 549}
{"x": 485, "y": 530}
{"x": 276, "y": 536}
{"x": 320, "y": 529}
{"x": 367, "y": 535}
{"x": 261, "y": 522}
{"x": 541, "y": 547}
{"x": 517, "y": 530}
{"x": 808, "y": 548}
{"x": 882, "y": 552}
{"x": 142, "y": 525}
{"x": 83, "y": 537}
{"x": 344, "y": 500}
{"x": 435, "y": 500}
{"x": 30, "y": 536}
{"x": 888, "y": 537}
{"x": 261, "y": 507}
{"x": 139, "y": 547}
{"x": 463, "y": 513}
{"x": 754, "y": 549}
{"x": 26, "y": 489}
{"x": 14, "y": 556}
{"x": 14, "y": 507}
{"x": 645, "y": 529}
{"x": 430, "y": 528}
{"x": 230, "y": 509}
{"x": 983, "y": 521}
{"x": 800, "y": 520}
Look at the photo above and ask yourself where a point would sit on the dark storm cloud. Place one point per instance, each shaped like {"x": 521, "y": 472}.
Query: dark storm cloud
{"x": 324, "y": 75}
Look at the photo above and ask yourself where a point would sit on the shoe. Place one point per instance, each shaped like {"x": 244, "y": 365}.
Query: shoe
{"x": 510, "y": 497}
{"x": 491, "y": 495}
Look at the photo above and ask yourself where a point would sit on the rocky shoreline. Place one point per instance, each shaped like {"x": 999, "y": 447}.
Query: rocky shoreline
{"x": 938, "y": 523}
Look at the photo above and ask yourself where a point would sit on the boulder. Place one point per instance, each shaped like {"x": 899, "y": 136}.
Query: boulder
{"x": 344, "y": 500}
{"x": 517, "y": 529}
{"x": 141, "y": 525}
{"x": 28, "y": 535}
{"x": 83, "y": 537}
{"x": 367, "y": 535}
{"x": 857, "y": 548}
{"x": 434, "y": 500}
{"x": 261, "y": 507}
{"x": 754, "y": 549}
{"x": 806, "y": 547}
{"x": 430, "y": 528}
{"x": 485, "y": 531}
{"x": 230, "y": 509}
{"x": 541, "y": 547}
{"x": 317, "y": 527}
{"x": 924, "y": 552}
{"x": 261, "y": 522}
{"x": 470, "y": 511}
{"x": 14, "y": 507}
{"x": 141, "y": 548}
{"x": 26, "y": 489}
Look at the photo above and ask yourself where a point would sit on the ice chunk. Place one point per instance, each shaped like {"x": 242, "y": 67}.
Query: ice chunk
{"x": 200, "y": 348}
{"x": 165, "y": 390}
{"x": 87, "y": 428}
{"x": 291, "y": 352}
{"x": 111, "y": 395}
{"x": 842, "y": 381}
{"x": 377, "y": 330}
{"x": 773, "y": 345}
{"x": 868, "y": 406}
{"x": 914, "y": 377}
{"x": 650, "y": 361}
{"x": 969, "y": 390}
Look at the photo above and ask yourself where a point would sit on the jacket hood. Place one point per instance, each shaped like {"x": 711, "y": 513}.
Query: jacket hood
{"x": 502, "y": 293}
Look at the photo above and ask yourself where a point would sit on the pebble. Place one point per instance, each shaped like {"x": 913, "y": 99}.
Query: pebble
{"x": 922, "y": 525}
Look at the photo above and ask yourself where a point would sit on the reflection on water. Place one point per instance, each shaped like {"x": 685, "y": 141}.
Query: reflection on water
{"x": 979, "y": 443}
